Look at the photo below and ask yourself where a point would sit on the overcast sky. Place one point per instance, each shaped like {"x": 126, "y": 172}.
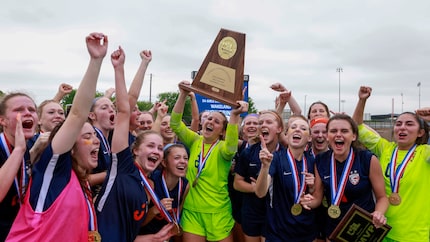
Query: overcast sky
{"x": 382, "y": 44}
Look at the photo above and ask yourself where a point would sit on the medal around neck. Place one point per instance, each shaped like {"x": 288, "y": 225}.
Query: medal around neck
{"x": 394, "y": 199}
{"x": 334, "y": 211}
{"x": 296, "y": 209}
{"x": 94, "y": 236}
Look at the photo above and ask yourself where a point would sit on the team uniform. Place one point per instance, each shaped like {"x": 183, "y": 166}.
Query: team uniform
{"x": 282, "y": 225}
{"x": 321, "y": 211}
{"x": 104, "y": 153}
{"x": 11, "y": 202}
{"x": 207, "y": 208}
{"x": 54, "y": 201}
{"x": 358, "y": 189}
{"x": 122, "y": 204}
{"x": 253, "y": 210}
{"x": 413, "y": 187}
{"x": 159, "y": 221}
{"x": 236, "y": 197}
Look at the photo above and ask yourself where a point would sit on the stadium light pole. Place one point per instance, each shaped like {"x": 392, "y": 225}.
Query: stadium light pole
{"x": 419, "y": 94}
{"x": 339, "y": 69}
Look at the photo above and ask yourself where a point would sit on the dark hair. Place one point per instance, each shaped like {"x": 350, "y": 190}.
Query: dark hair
{"x": 355, "y": 144}
{"x": 318, "y": 102}
{"x": 422, "y": 125}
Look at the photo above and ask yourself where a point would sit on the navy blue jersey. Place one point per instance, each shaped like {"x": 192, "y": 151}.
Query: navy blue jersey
{"x": 131, "y": 139}
{"x": 253, "y": 208}
{"x": 358, "y": 188}
{"x": 122, "y": 204}
{"x": 282, "y": 225}
{"x": 104, "y": 152}
{"x": 236, "y": 197}
{"x": 159, "y": 221}
{"x": 9, "y": 206}
{"x": 51, "y": 173}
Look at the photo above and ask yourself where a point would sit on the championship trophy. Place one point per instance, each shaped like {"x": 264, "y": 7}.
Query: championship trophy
{"x": 220, "y": 77}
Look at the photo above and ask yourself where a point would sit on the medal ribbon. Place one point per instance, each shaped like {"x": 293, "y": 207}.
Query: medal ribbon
{"x": 19, "y": 183}
{"x": 92, "y": 223}
{"x": 154, "y": 196}
{"x": 299, "y": 185}
{"x": 337, "y": 192}
{"x": 396, "y": 174}
{"x": 203, "y": 158}
{"x": 177, "y": 218}
{"x": 104, "y": 140}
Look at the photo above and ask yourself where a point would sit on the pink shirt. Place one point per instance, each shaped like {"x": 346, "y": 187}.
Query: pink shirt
{"x": 65, "y": 220}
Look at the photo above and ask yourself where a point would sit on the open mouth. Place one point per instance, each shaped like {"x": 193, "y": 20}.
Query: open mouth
{"x": 339, "y": 143}
{"x": 27, "y": 124}
{"x": 112, "y": 118}
{"x": 297, "y": 137}
{"x": 95, "y": 152}
{"x": 265, "y": 133}
{"x": 181, "y": 168}
{"x": 152, "y": 158}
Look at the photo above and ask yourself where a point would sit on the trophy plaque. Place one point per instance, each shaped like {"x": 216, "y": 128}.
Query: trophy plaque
{"x": 220, "y": 77}
{"x": 357, "y": 225}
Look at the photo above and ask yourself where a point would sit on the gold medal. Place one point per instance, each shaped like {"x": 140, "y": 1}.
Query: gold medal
{"x": 334, "y": 211}
{"x": 324, "y": 202}
{"x": 176, "y": 230}
{"x": 94, "y": 236}
{"x": 394, "y": 199}
{"x": 296, "y": 209}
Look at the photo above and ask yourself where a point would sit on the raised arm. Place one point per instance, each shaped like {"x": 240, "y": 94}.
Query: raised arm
{"x": 180, "y": 102}
{"x": 285, "y": 97}
{"x": 195, "y": 120}
{"x": 63, "y": 90}
{"x": 363, "y": 94}
{"x": 263, "y": 179}
{"x": 63, "y": 141}
{"x": 136, "y": 85}
{"x": 120, "y": 133}
{"x": 424, "y": 113}
{"x": 161, "y": 113}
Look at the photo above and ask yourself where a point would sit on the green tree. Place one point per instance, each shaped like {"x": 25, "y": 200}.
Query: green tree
{"x": 171, "y": 98}
{"x": 68, "y": 99}
{"x": 251, "y": 106}
{"x": 144, "y": 105}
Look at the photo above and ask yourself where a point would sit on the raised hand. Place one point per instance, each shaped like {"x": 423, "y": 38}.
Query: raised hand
{"x": 364, "y": 92}
{"x": 97, "y": 44}
{"x": 265, "y": 155}
{"x": 118, "y": 57}
{"x": 278, "y": 87}
{"x": 65, "y": 89}
{"x": 242, "y": 108}
{"x": 146, "y": 55}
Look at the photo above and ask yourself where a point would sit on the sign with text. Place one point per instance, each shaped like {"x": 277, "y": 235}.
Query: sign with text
{"x": 357, "y": 225}
{"x": 208, "y": 104}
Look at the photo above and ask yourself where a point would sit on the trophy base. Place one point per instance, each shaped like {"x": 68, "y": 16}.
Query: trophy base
{"x": 210, "y": 94}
